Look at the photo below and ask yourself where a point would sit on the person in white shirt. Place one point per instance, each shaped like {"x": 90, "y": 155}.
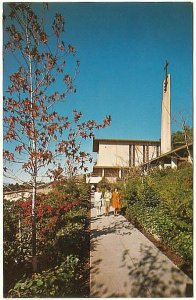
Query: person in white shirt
{"x": 107, "y": 200}
{"x": 98, "y": 200}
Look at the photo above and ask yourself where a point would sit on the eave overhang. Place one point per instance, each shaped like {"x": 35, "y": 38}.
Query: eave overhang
{"x": 173, "y": 153}
{"x": 96, "y": 142}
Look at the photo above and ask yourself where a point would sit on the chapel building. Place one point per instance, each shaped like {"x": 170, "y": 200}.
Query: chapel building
{"x": 116, "y": 157}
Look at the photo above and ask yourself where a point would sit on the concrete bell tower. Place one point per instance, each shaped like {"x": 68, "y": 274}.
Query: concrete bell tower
{"x": 166, "y": 113}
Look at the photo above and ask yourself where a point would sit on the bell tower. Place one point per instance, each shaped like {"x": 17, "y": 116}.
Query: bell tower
{"x": 166, "y": 113}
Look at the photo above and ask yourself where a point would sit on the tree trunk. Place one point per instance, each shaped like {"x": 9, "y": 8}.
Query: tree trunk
{"x": 34, "y": 174}
{"x": 34, "y": 243}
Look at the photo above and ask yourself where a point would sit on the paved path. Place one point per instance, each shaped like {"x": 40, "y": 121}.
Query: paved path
{"x": 124, "y": 263}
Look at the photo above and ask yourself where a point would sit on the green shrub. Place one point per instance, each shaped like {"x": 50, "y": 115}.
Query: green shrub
{"x": 150, "y": 197}
{"x": 104, "y": 184}
{"x": 51, "y": 283}
{"x": 131, "y": 191}
{"x": 162, "y": 203}
{"x": 61, "y": 232}
{"x": 183, "y": 244}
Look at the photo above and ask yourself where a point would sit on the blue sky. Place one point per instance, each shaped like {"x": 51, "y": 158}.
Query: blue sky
{"x": 122, "y": 48}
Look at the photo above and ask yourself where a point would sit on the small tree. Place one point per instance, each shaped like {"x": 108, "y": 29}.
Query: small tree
{"x": 38, "y": 138}
{"x": 185, "y": 135}
{"x": 104, "y": 184}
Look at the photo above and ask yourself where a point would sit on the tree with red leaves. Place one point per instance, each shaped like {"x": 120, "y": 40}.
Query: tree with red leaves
{"x": 37, "y": 137}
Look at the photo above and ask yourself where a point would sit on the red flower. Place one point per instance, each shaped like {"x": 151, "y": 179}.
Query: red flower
{"x": 49, "y": 208}
{"x": 40, "y": 213}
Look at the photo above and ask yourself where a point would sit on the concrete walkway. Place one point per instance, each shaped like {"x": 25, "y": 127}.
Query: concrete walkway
{"x": 124, "y": 263}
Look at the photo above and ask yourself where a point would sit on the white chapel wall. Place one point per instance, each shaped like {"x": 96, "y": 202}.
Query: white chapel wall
{"x": 152, "y": 152}
{"x": 138, "y": 154}
{"x": 122, "y": 155}
{"x": 113, "y": 155}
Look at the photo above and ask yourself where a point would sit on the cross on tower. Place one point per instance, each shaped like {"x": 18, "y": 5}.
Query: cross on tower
{"x": 166, "y": 74}
{"x": 165, "y": 68}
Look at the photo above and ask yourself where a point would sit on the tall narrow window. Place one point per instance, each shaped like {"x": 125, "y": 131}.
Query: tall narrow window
{"x": 130, "y": 155}
{"x": 147, "y": 153}
{"x": 157, "y": 151}
{"x": 133, "y": 155}
{"x": 144, "y": 154}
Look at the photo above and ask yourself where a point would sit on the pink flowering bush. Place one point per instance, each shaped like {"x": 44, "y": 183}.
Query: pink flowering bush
{"x": 62, "y": 231}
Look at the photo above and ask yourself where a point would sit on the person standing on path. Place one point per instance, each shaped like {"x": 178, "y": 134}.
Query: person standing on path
{"x": 107, "y": 199}
{"x": 116, "y": 201}
{"x": 98, "y": 199}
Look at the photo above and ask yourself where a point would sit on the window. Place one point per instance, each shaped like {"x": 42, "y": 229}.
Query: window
{"x": 111, "y": 172}
{"x": 97, "y": 172}
{"x": 131, "y": 155}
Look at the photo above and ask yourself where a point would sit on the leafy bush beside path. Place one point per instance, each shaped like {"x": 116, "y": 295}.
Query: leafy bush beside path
{"x": 162, "y": 203}
{"x": 63, "y": 244}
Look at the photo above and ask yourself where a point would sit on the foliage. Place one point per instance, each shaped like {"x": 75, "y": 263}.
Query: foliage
{"x": 12, "y": 187}
{"x": 179, "y": 136}
{"x": 175, "y": 188}
{"x": 131, "y": 191}
{"x": 14, "y": 251}
{"x": 62, "y": 222}
{"x": 104, "y": 184}
{"x": 39, "y": 134}
{"x": 38, "y": 140}
{"x": 150, "y": 196}
{"x": 157, "y": 221}
{"x": 162, "y": 203}
{"x": 51, "y": 283}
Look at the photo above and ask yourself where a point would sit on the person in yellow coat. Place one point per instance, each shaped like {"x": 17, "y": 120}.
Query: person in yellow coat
{"x": 116, "y": 201}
